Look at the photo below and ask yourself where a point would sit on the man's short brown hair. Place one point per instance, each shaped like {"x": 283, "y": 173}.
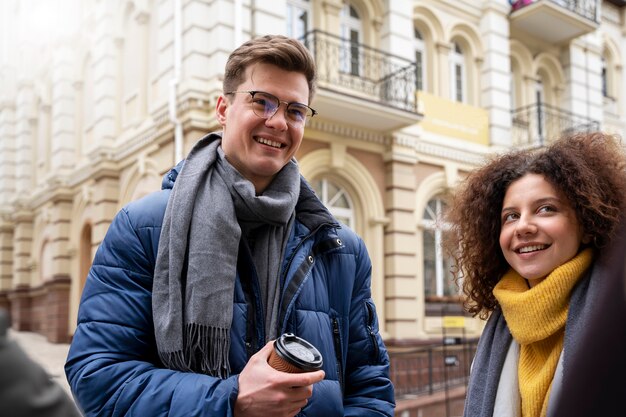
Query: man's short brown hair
{"x": 286, "y": 53}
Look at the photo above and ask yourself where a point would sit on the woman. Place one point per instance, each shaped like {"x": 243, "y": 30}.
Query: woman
{"x": 529, "y": 230}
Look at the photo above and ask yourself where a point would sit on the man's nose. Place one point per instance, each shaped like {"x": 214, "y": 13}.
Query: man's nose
{"x": 279, "y": 119}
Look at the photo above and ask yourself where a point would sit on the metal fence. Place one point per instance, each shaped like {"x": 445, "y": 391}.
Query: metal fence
{"x": 428, "y": 369}
{"x": 538, "y": 124}
{"x": 352, "y": 68}
{"x": 585, "y": 8}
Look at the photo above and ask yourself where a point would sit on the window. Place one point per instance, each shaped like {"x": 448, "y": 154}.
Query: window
{"x": 438, "y": 280}
{"x": 605, "y": 82}
{"x": 541, "y": 111}
{"x": 351, "y": 38}
{"x": 298, "y": 18}
{"x": 457, "y": 74}
{"x": 336, "y": 199}
{"x": 420, "y": 56}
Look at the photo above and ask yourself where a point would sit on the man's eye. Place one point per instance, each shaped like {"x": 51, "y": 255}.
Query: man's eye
{"x": 297, "y": 113}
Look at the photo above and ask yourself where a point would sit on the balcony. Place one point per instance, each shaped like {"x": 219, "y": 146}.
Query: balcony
{"x": 536, "y": 125}
{"x": 362, "y": 86}
{"x": 555, "y": 21}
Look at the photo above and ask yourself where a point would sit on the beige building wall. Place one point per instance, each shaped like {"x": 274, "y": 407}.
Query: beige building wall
{"x": 98, "y": 103}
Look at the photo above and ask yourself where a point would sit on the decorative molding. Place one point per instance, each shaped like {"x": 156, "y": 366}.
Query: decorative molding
{"x": 136, "y": 143}
{"x": 445, "y": 152}
{"x": 346, "y": 131}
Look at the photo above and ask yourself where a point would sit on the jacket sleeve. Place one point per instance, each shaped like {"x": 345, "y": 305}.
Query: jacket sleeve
{"x": 368, "y": 389}
{"x": 113, "y": 366}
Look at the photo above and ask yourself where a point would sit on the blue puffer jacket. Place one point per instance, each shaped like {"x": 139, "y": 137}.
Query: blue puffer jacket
{"x": 113, "y": 366}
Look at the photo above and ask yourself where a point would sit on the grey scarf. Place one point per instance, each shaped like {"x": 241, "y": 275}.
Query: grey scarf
{"x": 195, "y": 271}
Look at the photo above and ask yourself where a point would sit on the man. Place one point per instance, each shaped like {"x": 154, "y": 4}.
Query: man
{"x": 192, "y": 284}
{"x": 26, "y": 390}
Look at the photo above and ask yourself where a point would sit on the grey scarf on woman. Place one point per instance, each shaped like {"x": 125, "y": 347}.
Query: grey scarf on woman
{"x": 195, "y": 272}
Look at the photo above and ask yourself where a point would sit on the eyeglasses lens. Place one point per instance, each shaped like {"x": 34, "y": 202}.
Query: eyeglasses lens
{"x": 266, "y": 106}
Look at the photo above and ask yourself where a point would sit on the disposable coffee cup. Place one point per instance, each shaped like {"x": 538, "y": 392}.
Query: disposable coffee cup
{"x": 294, "y": 355}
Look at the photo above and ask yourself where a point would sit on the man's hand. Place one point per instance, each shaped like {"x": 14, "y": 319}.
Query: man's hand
{"x": 263, "y": 390}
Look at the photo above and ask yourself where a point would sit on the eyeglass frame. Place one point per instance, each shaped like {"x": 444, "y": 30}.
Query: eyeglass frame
{"x": 287, "y": 103}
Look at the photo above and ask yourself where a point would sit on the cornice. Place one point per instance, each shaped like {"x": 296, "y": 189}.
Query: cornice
{"x": 352, "y": 132}
{"x": 448, "y": 153}
{"x": 142, "y": 139}
{"x": 57, "y": 190}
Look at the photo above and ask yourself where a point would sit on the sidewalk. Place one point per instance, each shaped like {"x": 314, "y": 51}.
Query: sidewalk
{"x": 51, "y": 356}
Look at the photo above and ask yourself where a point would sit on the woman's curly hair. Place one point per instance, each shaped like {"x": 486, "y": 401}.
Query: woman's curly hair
{"x": 589, "y": 169}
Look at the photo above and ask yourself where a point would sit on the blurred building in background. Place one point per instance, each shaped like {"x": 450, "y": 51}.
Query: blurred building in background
{"x": 98, "y": 99}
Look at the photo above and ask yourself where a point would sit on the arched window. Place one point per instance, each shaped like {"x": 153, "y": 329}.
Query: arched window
{"x": 351, "y": 31}
{"x": 457, "y": 74}
{"x": 298, "y": 18}
{"x": 420, "y": 60}
{"x": 336, "y": 199}
{"x": 437, "y": 277}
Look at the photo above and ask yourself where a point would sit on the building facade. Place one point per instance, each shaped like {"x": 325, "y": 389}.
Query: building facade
{"x": 99, "y": 99}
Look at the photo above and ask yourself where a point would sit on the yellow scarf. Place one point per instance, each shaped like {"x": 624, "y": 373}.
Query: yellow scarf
{"x": 536, "y": 318}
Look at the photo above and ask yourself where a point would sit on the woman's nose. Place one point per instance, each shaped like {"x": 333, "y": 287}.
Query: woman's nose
{"x": 525, "y": 226}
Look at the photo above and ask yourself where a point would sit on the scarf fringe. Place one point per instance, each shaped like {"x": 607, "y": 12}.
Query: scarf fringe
{"x": 205, "y": 350}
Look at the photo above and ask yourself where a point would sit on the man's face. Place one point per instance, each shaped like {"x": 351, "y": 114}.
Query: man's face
{"x": 258, "y": 148}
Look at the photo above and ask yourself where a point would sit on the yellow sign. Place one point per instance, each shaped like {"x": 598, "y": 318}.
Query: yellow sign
{"x": 453, "y": 321}
{"x": 453, "y": 119}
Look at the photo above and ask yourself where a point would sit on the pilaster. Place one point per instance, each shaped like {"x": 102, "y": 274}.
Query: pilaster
{"x": 496, "y": 75}
{"x": 400, "y": 242}
{"x": 26, "y": 127}
{"x": 63, "y": 145}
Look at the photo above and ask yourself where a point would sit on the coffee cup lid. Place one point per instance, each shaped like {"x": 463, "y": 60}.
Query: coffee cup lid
{"x": 298, "y": 352}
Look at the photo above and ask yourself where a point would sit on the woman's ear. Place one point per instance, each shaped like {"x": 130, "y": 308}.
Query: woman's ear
{"x": 586, "y": 239}
{"x": 221, "y": 109}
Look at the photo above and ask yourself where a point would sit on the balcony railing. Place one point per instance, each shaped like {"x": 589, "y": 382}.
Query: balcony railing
{"x": 554, "y": 21}
{"x": 348, "y": 67}
{"x": 427, "y": 369}
{"x": 538, "y": 124}
{"x": 585, "y": 8}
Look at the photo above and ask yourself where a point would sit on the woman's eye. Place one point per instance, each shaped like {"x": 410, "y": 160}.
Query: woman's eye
{"x": 508, "y": 217}
{"x": 546, "y": 209}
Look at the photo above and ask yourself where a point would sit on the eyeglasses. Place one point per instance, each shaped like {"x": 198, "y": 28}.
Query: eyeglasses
{"x": 265, "y": 105}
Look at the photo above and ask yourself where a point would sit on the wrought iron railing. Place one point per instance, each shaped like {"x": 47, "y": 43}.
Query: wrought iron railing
{"x": 539, "y": 124}
{"x": 585, "y": 8}
{"x": 428, "y": 369}
{"x": 358, "y": 70}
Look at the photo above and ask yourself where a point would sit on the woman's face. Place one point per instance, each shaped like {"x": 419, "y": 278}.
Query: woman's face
{"x": 539, "y": 229}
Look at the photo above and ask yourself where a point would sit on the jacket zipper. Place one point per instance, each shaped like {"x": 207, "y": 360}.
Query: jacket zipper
{"x": 370, "y": 328}
{"x": 337, "y": 340}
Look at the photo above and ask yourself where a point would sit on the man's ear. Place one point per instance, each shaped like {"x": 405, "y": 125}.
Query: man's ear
{"x": 220, "y": 109}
